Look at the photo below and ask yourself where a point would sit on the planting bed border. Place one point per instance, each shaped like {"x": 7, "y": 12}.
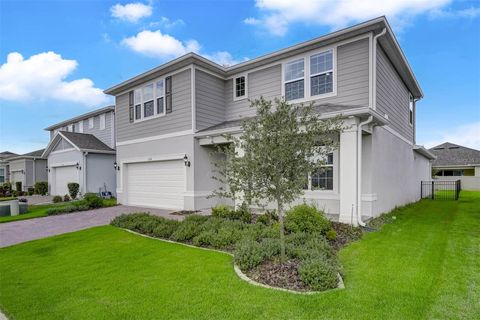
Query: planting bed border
{"x": 240, "y": 273}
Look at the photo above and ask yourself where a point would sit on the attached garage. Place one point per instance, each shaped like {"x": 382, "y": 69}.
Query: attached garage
{"x": 16, "y": 176}
{"x": 63, "y": 176}
{"x": 159, "y": 184}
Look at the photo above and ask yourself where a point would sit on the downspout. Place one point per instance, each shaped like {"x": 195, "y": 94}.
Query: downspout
{"x": 85, "y": 172}
{"x": 34, "y": 173}
{"x": 359, "y": 170}
{"x": 374, "y": 69}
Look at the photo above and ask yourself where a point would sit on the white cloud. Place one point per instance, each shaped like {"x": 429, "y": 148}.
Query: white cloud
{"x": 131, "y": 12}
{"x": 468, "y": 13}
{"x": 42, "y": 76}
{"x": 164, "y": 46}
{"x": 277, "y": 15}
{"x": 167, "y": 23}
{"x": 467, "y": 135}
{"x": 157, "y": 44}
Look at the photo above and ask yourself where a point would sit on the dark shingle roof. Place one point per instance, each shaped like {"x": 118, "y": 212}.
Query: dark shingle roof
{"x": 449, "y": 154}
{"x": 86, "y": 141}
{"x": 36, "y": 153}
{"x": 6, "y": 154}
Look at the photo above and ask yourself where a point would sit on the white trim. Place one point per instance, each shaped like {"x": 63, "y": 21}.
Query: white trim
{"x": 218, "y": 132}
{"x": 234, "y": 85}
{"x": 396, "y": 134}
{"x": 153, "y": 138}
{"x": 91, "y": 123}
{"x": 99, "y": 151}
{"x": 80, "y": 126}
{"x": 63, "y": 164}
{"x": 63, "y": 150}
{"x": 103, "y": 121}
{"x": 320, "y": 195}
{"x": 372, "y": 67}
{"x": 68, "y": 140}
{"x": 210, "y": 72}
{"x": 193, "y": 98}
{"x": 167, "y": 157}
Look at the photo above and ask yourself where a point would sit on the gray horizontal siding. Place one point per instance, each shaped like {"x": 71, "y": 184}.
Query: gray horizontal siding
{"x": 210, "y": 100}
{"x": 179, "y": 120}
{"x": 106, "y": 135}
{"x": 265, "y": 82}
{"x": 392, "y": 96}
{"x": 352, "y": 82}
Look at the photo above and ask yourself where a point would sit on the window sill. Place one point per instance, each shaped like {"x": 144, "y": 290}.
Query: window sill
{"x": 321, "y": 194}
{"x": 240, "y": 98}
{"x": 313, "y": 98}
{"x": 149, "y": 118}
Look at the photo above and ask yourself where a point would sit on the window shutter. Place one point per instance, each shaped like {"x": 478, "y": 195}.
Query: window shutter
{"x": 130, "y": 98}
{"x": 130, "y": 112}
{"x": 168, "y": 94}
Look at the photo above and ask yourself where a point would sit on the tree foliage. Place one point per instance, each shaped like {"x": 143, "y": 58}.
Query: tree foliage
{"x": 270, "y": 160}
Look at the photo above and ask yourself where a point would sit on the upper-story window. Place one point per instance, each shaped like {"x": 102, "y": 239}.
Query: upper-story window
{"x": 71, "y": 128}
{"x": 148, "y": 101}
{"x": 102, "y": 121}
{"x": 411, "y": 106}
{"x": 239, "y": 87}
{"x": 321, "y": 73}
{"x": 309, "y": 76}
{"x": 80, "y": 126}
{"x": 295, "y": 80}
{"x": 90, "y": 123}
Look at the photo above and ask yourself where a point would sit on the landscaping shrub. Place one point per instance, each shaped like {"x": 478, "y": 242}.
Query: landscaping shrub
{"x": 242, "y": 213}
{"x": 165, "y": 228}
{"x": 30, "y": 191}
{"x": 219, "y": 233}
{"x": 57, "y": 199}
{"x": 2, "y": 191}
{"x": 93, "y": 201}
{"x": 318, "y": 274}
{"x": 41, "y": 188}
{"x": 73, "y": 189}
{"x": 306, "y": 246}
{"x": 18, "y": 186}
{"x": 66, "y": 198}
{"x": 268, "y": 218}
{"x": 306, "y": 218}
{"x": 189, "y": 228}
{"x": 7, "y": 186}
{"x": 331, "y": 235}
{"x": 66, "y": 209}
{"x": 221, "y": 211}
{"x": 248, "y": 254}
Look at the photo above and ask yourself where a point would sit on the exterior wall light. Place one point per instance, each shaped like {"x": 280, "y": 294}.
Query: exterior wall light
{"x": 47, "y": 169}
{"x": 78, "y": 166}
{"x": 186, "y": 161}
{"x": 116, "y": 166}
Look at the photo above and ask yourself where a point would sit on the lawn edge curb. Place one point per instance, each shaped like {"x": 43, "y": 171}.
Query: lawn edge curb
{"x": 240, "y": 273}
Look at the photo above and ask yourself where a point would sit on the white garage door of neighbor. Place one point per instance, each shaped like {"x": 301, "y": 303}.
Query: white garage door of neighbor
{"x": 156, "y": 184}
{"x": 15, "y": 177}
{"x": 63, "y": 176}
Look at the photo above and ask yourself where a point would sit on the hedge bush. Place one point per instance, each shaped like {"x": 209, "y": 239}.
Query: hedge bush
{"x": 242, "y": 213}
{"x": 66, "y": 209}
{"x": 306, "y": 218}
{"x": 318, "y": 274}
{"x": 92, "y": 200}
{"x": 41, "y": 188}
{"x": 189, "y": 228}
{"x": 73, "y": 188}
{"x": 66, "y": 198}
{"x": 57, "y": 199}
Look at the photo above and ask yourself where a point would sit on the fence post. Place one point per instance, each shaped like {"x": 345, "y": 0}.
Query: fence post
{"x": 433, "y": 190}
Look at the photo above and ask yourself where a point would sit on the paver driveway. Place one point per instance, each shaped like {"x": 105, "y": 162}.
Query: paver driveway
{"x": 25, "y": 230}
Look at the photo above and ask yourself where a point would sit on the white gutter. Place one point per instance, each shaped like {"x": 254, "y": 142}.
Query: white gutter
{"x": 374, "y": 71}
{"x": 359, "y": 170}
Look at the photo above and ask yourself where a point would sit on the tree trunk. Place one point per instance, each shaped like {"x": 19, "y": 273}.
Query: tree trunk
{"x": 283, "y": 256}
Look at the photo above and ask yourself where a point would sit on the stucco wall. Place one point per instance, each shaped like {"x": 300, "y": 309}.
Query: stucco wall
{"x": 100, "y": 172}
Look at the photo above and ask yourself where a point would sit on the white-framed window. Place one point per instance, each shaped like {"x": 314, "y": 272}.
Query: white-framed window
{"x": 148, "y": 101}
{"x": 295, "y": 80}
{"x": 102, "y": 121}
{"x": 80, "y": 126}
{"x": 411, "y": 107}
{"x": 310, "y": 76}
{"x": 240, "y": 87}
{"x": 2, "y": 175}
{"x": 91, "y": 124}
{"x": 70, "y": 128}
{"x": 323, "y": 177}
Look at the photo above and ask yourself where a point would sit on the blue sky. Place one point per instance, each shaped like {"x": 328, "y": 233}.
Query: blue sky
{"x": 57, "y": 56}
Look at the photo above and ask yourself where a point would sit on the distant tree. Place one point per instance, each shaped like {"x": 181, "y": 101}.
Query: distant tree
{"x": 271, "y": 159}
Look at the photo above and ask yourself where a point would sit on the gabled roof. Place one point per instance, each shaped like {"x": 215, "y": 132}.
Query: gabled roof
{"x": 388, "y": 42}
{"x": 81, "y": 117}
{"x": 449, "y": 154}
{"x": 80, "y": 141}
{"x": 7, "y": 154}
{"x": 37, "y": 154}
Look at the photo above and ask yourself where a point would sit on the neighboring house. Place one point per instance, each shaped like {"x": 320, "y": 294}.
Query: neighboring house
{"x": 457, "y": 162}
{"x": 82, "y": 150}
{"x": 170, "y": 118}
{"x": 28, "y": 168}
{"x": 4, "y": 167}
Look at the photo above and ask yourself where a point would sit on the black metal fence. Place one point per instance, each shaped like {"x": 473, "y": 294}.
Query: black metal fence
{"x": 440, "y": 189}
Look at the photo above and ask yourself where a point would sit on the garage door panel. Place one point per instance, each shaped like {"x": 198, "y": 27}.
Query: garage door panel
{"x": 64, "y": 176}
{"x": 156, "y": 184}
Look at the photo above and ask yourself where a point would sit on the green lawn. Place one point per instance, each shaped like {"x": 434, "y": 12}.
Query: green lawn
{"x": 37, "y": 211}
{"x": 425, "y": 265}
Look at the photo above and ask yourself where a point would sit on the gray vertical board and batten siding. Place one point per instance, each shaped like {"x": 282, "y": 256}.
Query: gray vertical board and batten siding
{"x": 62, "y": 145}
{"x": 352, "y": 82}
{"x": 392, "y": 96}
{"x": 210, "y": 100}
{"x": 179, "y": 120}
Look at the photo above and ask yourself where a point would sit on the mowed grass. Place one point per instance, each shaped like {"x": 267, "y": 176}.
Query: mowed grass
{"x": 37, "y": 211}
{"x": 424, "y": 265}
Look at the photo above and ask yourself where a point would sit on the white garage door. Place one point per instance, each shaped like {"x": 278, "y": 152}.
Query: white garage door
{"x": 158, "y": 184}
{"x": 63, "y": 176}
{"x": 15, "y": 177}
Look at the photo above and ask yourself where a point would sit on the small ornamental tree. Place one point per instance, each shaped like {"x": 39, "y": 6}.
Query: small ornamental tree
{"x": 73, "y": 189}
{"x": 271, "y": 159}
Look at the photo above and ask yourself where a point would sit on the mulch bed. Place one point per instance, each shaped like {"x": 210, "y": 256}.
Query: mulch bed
{"x": 345, "y": 235}
{"x": 276, "y": 274}
{"x": 184, "y": 212}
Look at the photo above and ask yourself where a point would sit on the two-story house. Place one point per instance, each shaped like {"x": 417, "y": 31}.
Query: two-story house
{"x": 82, "y": 150}
{"x": 4, "y": 167}
{"x": 28, "y": 169}
{"x": 170, "y": 118}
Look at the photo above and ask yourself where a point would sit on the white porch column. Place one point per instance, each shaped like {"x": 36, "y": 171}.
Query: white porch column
{"x": 348, "y": 172}
{"x": 239, "y": 201}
